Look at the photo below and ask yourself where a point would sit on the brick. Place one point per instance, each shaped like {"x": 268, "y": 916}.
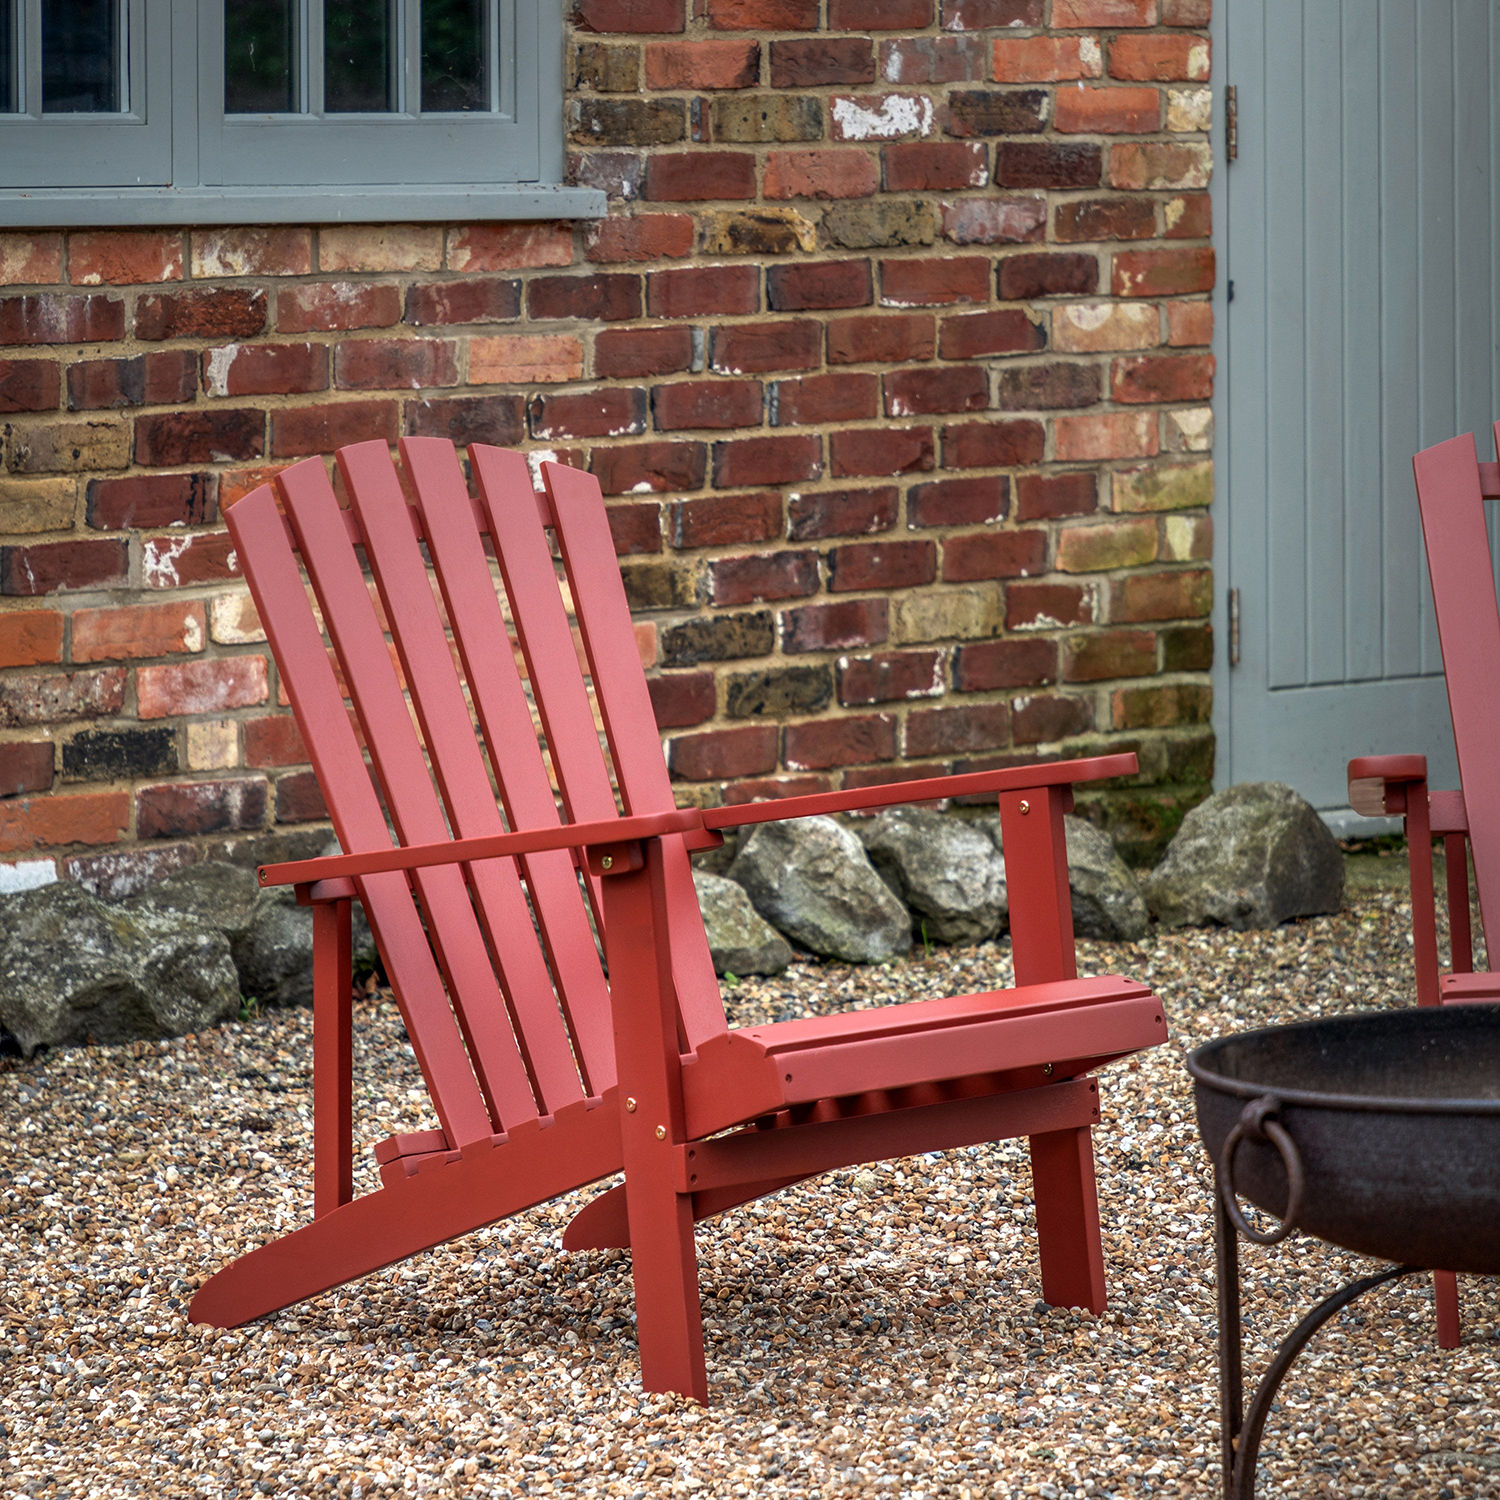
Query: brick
{"x": 47, "y": 822}
{"x": 1086, "y": 327}
{"x": 1187, "y": 538}
{"x": 25, "y": 766}
{"x": 958, "y": 502}
{"x": 779, "y": 692}
{"x": 200, "y": 687}
{"x": 880, "y": 223}
{"x": 707, "y": 403}
{"x": 818, "y": 62}
{"x": 320, "y": 429}
{"x": 994, "y": 554}
{"x": 1068, "y": 15}
{"x": 32, "y": 505}
{"x": 746, "y": 119}
{"x": 212, "y": 745}
{"x": 1161, "y": 59}
{"x": 854, "y": 740}
{"x": 68, "y": 447}
{"x": 1190, "y": 323}
{"x": 1189, "y": 648}
{"x": 948, "y": 731}
{"x": 525, "y": 359}
{"x": 683, "y": 699}
{"x": 947, "y": 614}
{"x": 880, "y": 339}
{"x": 1162, "y": 378}
{"x": 58, "y": 696}
{"x": 890, "y": 677}
{"x": 265, "y": 369}
{"x": 1049, "y": 606}
{"x": 328, "y": 306}
{"x": 30, "y": 259}
{"x": 169, "y": 562}
{"x": 1190, "y": 109}
{"x": 1138, "y": 165}
{"x": 30, "y": 385}
{"x": 979, "y": 335}
{"x": 693, "y": 176}
{"x": 483, "y": 299}
{"x": 188, "y": 807}
{"x": 879, "y": 15}
{"x": 1046, "y": 387}
{"x": 834, "y": 627}
{"x": 1186, "y": 12}
{"x": 702, "y": 65}
{"x": 726, "y": 520}
{"x": 858, "y": 566}
{"x": 991, "y": 112}
{"x": 468, "y": 419}
{"x": 607, "y": 412}
{"x": 45, "y": 318}
{"x": 761, "y": 15}
{"x": 1104, "y": 219}
{"x": 978, "y": 15}
{"x": 234, "y": 621}
{"x": 1163, "y": 273}
{"x": 617, "y": 174}
{"x": 1045, "y": 718}
{"x": 718, "y": 638}
{"x": 934, "y": 59}
{"x": 782, "y": 344}
{"x": 274, "y": 741}
{"x": 124, "y": 257}
{"x": 821, "y": 173}
{"x": 138, "y": 631}
{"x": 995, "y": 221}
{"x": 633, "y": 352}
{"x": 881, "y": 450}
{"x": 758, "y": 789}
{"x": 1182, "y": 594}
{"x": 1044, "y": 274}
{"x": 380, "y": 247}
{"x": 643, "y": 237}
{"x": 29, "y": 637}
{"x": 990, "y": 666}
{"x": 395, "y": 364}
{"x": 1045, "y": 497}
{"x": 629, "y": 15}
{"x": 299, "y": 799}
{"x": 1107, "y": 111}
{"x": 767, "y": 460}
{"x": 1047, "y": 164}
{"x": 879, "y": 117}
{"x": 1046, "y": 59}
{"x": 628, "y": 468}
{"x": 934, "y": 166}
{"x": 842, "y": 397}
{"x": 1109, "y": 653}
{"x": 722, "y": 754}
{"x": 1123, "y": 434}
{"x": 819, "y": 284}
{"x": 934, "y": 282}
{"x": 251, "y": 250}
{"x": 626, "y": 122}
{"x": 770, "y": 230}
{"x": 1162, "y": 707}
{"x": 200, "y": 437}
{"x": 608, "y": 297}
{"x": 1188, "y": 429}
{"x": 1167, "y": 487}
{"x": 224, "y": 313}
{"x": 942, "y": 389}
{"x": 828, "y": 513}
{"x": 992, "y": 445}
{"x": 1105, "y": 546}
{"x": 48, "y": 567}
{"x": 700, "y": 291}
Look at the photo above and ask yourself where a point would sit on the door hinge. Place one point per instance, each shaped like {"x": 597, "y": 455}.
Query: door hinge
{"x": 1231, "y": 122}
{"x": 1234, "y": 627}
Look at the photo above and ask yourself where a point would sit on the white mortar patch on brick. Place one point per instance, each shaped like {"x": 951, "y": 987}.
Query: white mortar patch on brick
{"x": 899, "y": 114}
{"x": 216, "y": 369}
{"x": 27, "y": 875}
{"x": 159, "y": 561}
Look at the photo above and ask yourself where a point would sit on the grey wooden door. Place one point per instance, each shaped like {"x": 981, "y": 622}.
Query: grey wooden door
{"x": 1358, "y": 324}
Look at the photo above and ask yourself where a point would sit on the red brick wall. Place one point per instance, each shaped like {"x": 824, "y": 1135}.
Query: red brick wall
{"x": 892, "y": 354}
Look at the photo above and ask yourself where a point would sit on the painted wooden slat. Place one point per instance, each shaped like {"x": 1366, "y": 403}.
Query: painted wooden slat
{"x": 360, "y": 644}
{"x": 281, "y": 600}
{"x": 494, "y": 683}
{"x": 401, "y": 577}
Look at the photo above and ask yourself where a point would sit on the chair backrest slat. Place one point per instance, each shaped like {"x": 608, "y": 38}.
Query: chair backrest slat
{"x": 401, "y": 576}
{"x": 1451, "y": 497}
{"x": 261, "y": 538}
{"x": 355, "y": 631}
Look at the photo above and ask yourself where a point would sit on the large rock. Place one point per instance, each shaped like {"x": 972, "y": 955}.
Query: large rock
{"x": 948, "y": 872}
{"x": 1107, "y": 900}
{"x": 740, "y": 939}
{"x": 1252, "y": 855}
{"x": 75, "y": 969}
{"x": 811, "y": 878}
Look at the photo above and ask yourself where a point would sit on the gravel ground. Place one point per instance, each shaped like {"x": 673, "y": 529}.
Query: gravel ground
{"x": 878, "y": 1332}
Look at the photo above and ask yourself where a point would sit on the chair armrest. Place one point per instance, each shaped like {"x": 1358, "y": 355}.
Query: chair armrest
{"x": 1378, "y": 783}
{"x": 606, "y": 831}
{"x": 930, "y": 789}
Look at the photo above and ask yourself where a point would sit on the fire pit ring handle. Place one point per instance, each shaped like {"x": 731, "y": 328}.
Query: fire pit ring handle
{"x": 1257, "y": 1122}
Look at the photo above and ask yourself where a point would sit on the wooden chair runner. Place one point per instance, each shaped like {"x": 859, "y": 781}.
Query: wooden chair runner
{"x": 544, "y": 1074}
{"x": 1452, "y": 486}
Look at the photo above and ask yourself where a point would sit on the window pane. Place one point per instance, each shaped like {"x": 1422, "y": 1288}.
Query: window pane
{"x": 7, "y": 57}
{"x": 260, "y": 53}
{"x": 80, "y": 56}
{"x": 357, "y": 56}
{"x": 454, "y": 61}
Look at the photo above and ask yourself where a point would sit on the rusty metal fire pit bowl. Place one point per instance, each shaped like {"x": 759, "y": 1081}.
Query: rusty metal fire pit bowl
{"x": 1379, "y": 1133}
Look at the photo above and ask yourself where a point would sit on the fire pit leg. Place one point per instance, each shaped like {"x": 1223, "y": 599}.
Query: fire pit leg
{"x": 1231, "y": 1365}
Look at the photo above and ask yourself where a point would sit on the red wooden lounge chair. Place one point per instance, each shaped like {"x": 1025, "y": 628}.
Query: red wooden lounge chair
{"x": 1452, "y": 486}
{"x": 546, "y": 1080}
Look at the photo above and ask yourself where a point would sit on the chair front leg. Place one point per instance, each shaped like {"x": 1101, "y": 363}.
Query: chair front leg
{"x": 1460, "y": 929}
{"x": 1423, "y": 891}
{"x": 333, "y": 1059}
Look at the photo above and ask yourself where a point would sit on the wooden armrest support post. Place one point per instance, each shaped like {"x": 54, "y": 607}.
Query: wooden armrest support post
{"x": 333, "y": 1059}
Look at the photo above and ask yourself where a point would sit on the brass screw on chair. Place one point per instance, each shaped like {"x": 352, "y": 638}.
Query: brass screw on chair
{"x": 661, "y": 1132}
{"x": 1046, "y": 1070}
{"x": 607, "y": 863}
{"x": 1025, "y": 808}
{"x": 630, "y": 1106}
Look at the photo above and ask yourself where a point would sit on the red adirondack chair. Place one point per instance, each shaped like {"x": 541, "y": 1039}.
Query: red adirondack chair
{"x": 1452, "y": 486}
{"x": 546, "y": 1081}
